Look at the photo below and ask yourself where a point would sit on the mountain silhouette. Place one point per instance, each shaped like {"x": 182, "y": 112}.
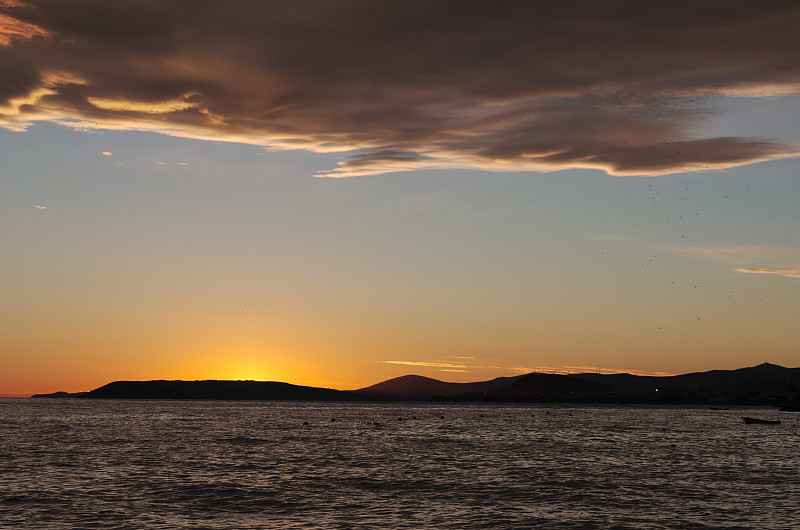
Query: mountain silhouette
{"x": 762, "y": 373}
{"x": 765, "y": 384}
{"x": 211, "y": 389}
{"x": 538, "y": 385}
{"x": 419, "y": 388}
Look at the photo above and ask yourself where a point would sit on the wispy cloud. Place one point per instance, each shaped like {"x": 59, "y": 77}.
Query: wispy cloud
{"x": 427, "y": 363}
{"x": 561, "y": 369}
{"x": 586, "y": 369}
{"x": 40, "y": 207}
{"x": 738, "y": 255}
{"x": 107, "y": 153}
{"x": 463, "y": 364}
{"x": 788, "y": 272}
{"x": 409, "y": 85}
{"x": 732, "y": 254}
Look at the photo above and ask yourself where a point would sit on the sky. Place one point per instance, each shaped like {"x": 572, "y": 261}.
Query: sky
{"x": 337, "y": 193}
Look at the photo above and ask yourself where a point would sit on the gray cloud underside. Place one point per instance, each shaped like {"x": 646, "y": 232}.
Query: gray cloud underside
{"x": 412, "y": 84}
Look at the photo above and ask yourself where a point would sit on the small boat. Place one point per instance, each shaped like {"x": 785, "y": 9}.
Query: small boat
{"x": 760, "y": 421}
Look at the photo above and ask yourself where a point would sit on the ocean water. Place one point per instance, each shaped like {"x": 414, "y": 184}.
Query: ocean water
{"x": 209, "y": 464}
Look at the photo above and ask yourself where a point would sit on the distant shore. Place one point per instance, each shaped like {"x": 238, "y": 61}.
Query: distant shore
{"x": 762, "y": 385}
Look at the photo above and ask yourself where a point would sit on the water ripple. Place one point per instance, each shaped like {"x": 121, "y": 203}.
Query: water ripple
{"x": 162, "y": 464}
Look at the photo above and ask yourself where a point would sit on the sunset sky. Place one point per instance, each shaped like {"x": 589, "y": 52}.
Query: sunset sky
{"x": 337, "y": 193}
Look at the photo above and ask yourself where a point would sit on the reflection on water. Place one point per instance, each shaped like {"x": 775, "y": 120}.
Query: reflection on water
{"x": 162, "y": 464}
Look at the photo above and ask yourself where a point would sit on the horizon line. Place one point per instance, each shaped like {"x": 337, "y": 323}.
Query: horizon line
{"x": 540, "y": 370}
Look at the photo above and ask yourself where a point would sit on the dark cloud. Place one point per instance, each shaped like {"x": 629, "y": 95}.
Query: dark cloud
{"x": 412, "y": 84}
{"x": 19, "y": 77}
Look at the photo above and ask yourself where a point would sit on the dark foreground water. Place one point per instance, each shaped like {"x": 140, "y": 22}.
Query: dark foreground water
{"x": 171, "y": 464}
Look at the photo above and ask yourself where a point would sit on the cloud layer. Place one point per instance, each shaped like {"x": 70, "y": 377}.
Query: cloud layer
{"x": 409, "y": 85}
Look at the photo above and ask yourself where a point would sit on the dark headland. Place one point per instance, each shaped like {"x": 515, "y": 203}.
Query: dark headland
{"x": 764, "y": 385}
{"x": 224, "y": 390}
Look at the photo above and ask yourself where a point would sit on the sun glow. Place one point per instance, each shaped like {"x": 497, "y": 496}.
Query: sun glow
{"x": 226, "y": 365}
{"x": 246, "y": 370}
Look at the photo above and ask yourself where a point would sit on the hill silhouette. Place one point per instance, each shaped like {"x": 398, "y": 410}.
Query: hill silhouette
{"x": 547, "y": 386}
{"x": 220, "y": 390}
{"x": 636, "y": 383}
{"x": 765, "y": 384}
{"x": 420, "y": 388}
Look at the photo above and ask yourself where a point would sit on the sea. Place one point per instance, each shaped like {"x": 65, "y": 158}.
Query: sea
{"x": 90, "y": 463}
